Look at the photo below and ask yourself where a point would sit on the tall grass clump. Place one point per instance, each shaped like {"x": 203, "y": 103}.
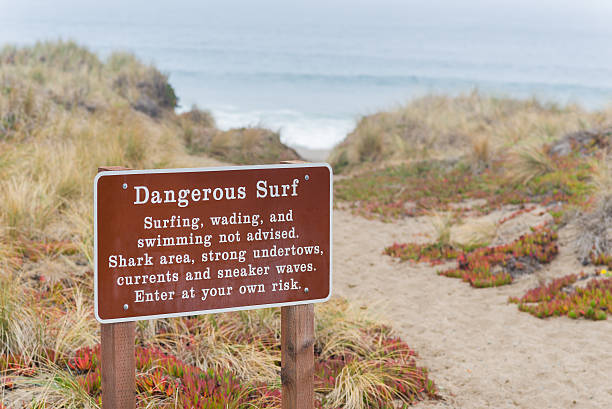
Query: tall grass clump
{"x": 530, "y": 161}
{"x": 442, "y": 127}
{"x": 593, "y": 241}
{"x": 144, "y": 87}
{"x": 255, "y": 145}
{"x": 27, "y": 207}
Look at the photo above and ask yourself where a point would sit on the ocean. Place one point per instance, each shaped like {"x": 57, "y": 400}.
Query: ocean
{"x": 311, "y": 69}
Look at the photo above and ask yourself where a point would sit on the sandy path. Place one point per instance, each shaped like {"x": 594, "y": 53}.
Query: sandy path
{"x": 481, "y": 351}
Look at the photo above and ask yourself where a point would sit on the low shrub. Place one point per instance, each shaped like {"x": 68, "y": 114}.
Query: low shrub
{"x": 252, "y": 145}
{"x": 495, "y": 266}
{"x": 486, "y": 266}
{"x": 417, "y": 189}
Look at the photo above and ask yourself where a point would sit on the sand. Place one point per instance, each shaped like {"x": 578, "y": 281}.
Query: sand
{"x": 481, "y": 351}
{"x": 312, "y": 155}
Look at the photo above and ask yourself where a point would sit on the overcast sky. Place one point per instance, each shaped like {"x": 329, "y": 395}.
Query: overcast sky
{"x": 573, "y": 13}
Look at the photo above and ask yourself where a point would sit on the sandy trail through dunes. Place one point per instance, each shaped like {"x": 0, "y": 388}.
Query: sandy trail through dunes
{"x": 481, "y": 351}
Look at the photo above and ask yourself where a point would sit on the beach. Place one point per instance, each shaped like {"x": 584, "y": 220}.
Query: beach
{"x": 481, "y": 351}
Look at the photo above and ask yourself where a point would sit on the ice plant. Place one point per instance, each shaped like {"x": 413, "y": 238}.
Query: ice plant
{"x": 486, "y": 266}
{"x": 431, "y": 253}
{"x": 417, "y": 188}
{"x": 516, "y": 214}
{"x": 602, "y": 260}
{"x": 83, "y": 361}
{"x": 561, "y": 297}
{"x": 495, "y": 266}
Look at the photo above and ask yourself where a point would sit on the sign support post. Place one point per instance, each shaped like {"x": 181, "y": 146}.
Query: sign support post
{"x": 297, "y": 353}
{"x": 297, "y": 356}
{"x": 118, "y": 362}
{"x": 118, "y": 358}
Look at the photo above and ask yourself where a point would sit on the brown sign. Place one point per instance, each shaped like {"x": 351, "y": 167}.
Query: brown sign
{"x": 191, "y": 241}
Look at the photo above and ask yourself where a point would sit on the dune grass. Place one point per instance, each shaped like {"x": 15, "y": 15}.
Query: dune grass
{"x": 255, "y": 145}
{"x": 442, "y": 127}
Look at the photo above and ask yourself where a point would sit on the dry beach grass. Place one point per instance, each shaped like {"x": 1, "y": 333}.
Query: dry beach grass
{"x": 442, "y": 127}
{"x": 489, "y": 177}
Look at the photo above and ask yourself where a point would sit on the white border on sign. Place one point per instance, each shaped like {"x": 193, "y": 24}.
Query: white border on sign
{"x": 210, "y": 169}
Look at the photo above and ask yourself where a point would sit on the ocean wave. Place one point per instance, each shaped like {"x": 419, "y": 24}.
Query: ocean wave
{"x": 415, "y": 79}
{"x": 296, "y": 128}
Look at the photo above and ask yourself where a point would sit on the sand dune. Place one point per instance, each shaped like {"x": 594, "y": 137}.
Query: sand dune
{"x": 481, "y": 350}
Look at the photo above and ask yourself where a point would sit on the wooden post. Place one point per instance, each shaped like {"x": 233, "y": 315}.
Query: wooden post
{"x": 118, "y": 359}
{"x": 297, "y": 356}
{"x": 297, "y": 352}
{"x": 118, "y": 366}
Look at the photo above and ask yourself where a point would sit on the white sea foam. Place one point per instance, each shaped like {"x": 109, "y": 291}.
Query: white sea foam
{"x": 296, "y": 128}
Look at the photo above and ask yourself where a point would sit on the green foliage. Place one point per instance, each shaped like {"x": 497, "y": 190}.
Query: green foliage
{"x": 431, "y": 253}
{"x": 418, "y": 188}
{"x": 601, "y": 260}
{"x": 560, "y": 297}
{"x": 478, "y": 267}
{"x": 485, "y": 266}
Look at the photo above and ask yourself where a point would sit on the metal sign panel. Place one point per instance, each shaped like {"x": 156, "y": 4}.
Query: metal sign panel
{"x": 191, "y": 241}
